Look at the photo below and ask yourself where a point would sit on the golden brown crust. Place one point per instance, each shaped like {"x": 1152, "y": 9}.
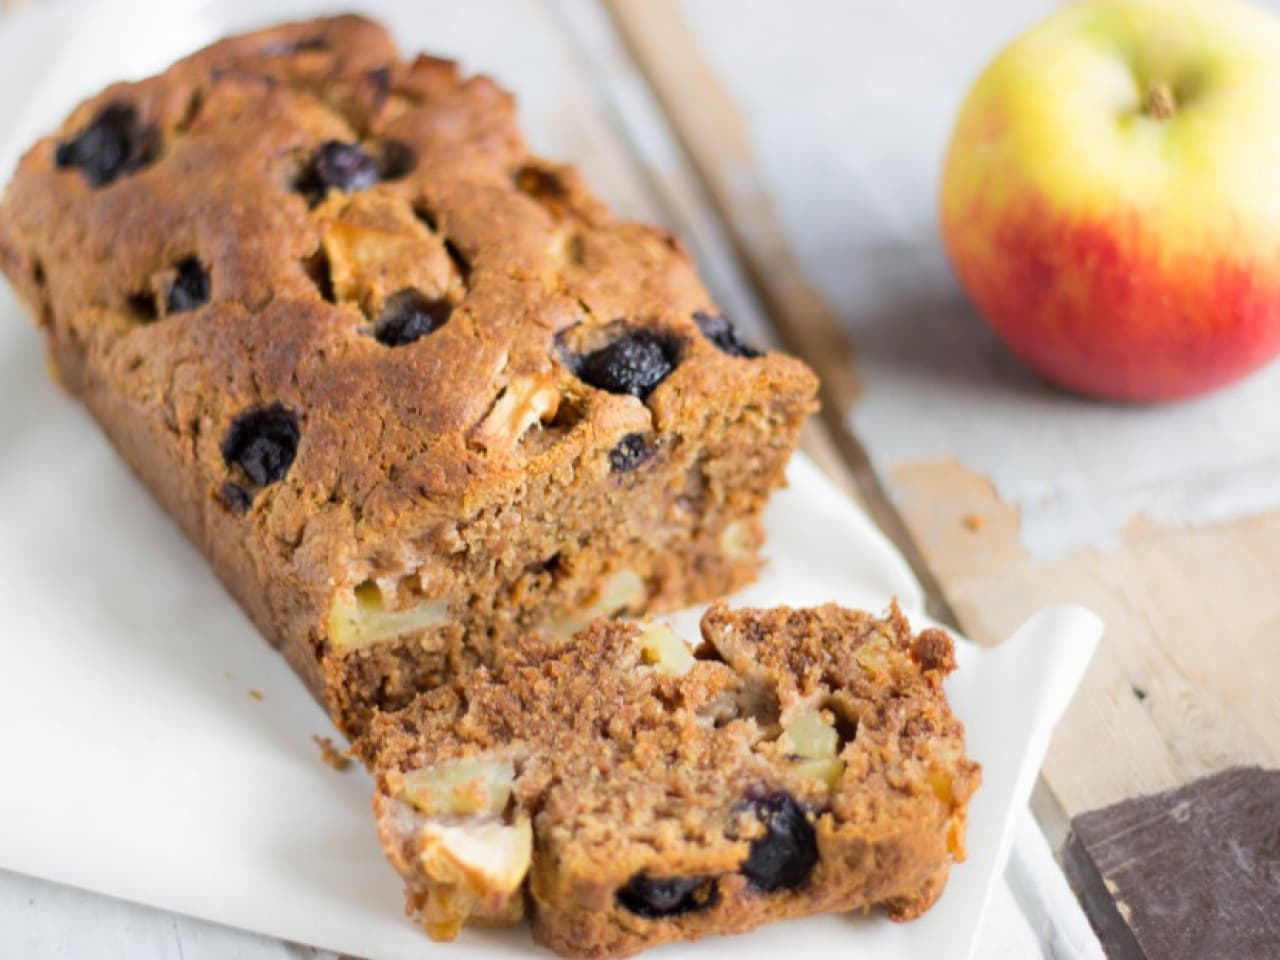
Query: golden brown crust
{"x": 632, "y": 770}
{"x": 471, "y": 465}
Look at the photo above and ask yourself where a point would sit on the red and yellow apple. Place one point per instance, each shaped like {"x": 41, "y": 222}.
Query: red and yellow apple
{"x": 1111, "y": 196}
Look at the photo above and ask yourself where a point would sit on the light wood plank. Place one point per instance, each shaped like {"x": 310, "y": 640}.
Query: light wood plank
{"x": 1187, "y": 685}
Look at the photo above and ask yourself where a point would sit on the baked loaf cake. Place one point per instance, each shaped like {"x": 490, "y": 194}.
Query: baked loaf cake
{"x": 412, "y": 390}
{"x": 627, "y": 791}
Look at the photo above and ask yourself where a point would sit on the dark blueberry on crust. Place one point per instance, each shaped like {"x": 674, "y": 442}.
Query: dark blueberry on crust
{"x": 262, "y": 442}
{"x": 784, "y": 857}
{"x": 655, "y": 897}
{"x": 631, "y": 451}
{"x": 345, "y": 166}
{"x": 635, "y": 363}
{"x": 235, "y": 497}
{"x": 342, "y": 166}
{"x": 720, "y": 331}
{"x": 408, "y": 316}
{"x": 113, "y": 143}
{"x": 190, "y": 288}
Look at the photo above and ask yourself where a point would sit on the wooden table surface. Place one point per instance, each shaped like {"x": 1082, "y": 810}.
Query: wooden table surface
{"x": 797, "y": 146}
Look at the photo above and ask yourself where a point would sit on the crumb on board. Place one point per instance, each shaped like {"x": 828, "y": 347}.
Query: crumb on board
{"x": 330, "y": 754}
{"x": 256, "y": 693}
{"x": 972, "y": 521}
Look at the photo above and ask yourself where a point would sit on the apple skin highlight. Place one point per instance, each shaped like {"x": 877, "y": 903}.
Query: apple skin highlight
{"x": 1120, "y": 255}
{"x": 1095, "y": 307}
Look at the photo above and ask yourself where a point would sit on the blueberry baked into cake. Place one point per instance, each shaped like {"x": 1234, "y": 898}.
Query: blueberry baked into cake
{"x": 413, "y": 390}
{"x": 627, "y": 791}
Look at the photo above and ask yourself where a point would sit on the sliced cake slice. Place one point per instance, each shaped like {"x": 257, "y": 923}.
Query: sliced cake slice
{"x": 626, "y": 790}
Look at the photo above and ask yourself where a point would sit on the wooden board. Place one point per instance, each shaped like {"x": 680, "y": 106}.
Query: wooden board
{"x": 818, "y": 130}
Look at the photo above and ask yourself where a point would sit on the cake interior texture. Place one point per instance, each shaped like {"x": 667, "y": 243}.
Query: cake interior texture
{"x": 412, "y": 389}
{"x": 624, "y": 790}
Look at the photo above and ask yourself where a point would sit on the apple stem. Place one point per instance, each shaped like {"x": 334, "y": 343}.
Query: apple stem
{"x": 1160, "y": 104}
